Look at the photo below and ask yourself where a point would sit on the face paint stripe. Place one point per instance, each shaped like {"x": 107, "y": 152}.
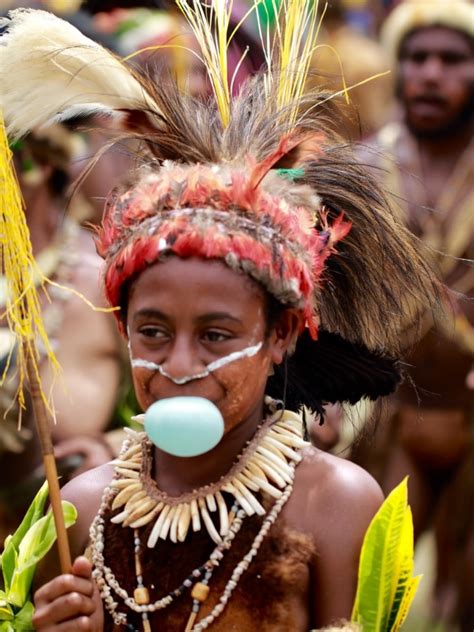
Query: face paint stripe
{"x": 248, "y": 352}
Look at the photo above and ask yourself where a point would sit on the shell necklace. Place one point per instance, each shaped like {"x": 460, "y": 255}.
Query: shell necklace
{"x": 265, "y": 465}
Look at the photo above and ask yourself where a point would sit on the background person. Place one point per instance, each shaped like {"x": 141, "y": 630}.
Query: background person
{"x": 85, "y": 341}
{"x": 426, "y": 162}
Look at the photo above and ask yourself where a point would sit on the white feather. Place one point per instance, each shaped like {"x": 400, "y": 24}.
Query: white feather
{"x": 49, "y": 71}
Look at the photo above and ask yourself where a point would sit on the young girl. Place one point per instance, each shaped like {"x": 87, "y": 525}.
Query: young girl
{"x": 257, "y": 271}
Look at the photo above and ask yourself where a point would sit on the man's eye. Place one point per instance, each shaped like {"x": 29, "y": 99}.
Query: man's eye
{"x": 453, "y": 58}
{"x": 418, "y": 57}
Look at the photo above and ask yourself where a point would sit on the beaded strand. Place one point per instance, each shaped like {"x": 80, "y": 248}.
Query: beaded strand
{"x": 107, "y": 582}
{"x": 277, "y": 454}
{"x": 243, "y": 565}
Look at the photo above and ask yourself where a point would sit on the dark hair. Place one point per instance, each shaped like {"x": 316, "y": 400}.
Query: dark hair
{"x": 273, "y": 311}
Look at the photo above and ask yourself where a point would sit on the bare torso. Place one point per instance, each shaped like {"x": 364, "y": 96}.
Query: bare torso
{"x": 305, "y": 573}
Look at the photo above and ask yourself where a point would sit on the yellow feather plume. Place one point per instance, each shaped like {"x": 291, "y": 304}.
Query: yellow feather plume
{"x": 289, "y": 52}
{"x": 210, "y": 24}
{"x": 22, "y": 311}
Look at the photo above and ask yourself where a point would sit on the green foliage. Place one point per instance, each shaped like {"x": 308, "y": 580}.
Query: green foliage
{"x": 22, "y": 551}
{"x": 386, "y": 587}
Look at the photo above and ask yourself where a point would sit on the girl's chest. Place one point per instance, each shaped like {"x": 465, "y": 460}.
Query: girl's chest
{"x": 271, "y": 594}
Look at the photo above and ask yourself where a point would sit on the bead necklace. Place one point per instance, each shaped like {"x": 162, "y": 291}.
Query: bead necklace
{"x": 107, "y": 582}
{"x": 267, "y": 464}
{"x": 241, "y": 567}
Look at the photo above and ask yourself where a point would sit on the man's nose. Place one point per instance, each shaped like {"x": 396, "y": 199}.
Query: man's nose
{"x": 433, "y": 69}
{"x": 182, "y": 359}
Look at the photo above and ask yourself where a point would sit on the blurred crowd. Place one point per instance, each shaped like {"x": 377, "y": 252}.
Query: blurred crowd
{"x": 404, "y": 73}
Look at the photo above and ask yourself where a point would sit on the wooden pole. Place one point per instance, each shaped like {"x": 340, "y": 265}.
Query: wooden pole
{"x": 44, "y": 432}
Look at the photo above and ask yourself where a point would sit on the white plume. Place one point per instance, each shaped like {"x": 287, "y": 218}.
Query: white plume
{"x": 50, "y": 71}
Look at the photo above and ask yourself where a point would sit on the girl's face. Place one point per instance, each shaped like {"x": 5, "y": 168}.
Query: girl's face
{"x": 183, "y": 314}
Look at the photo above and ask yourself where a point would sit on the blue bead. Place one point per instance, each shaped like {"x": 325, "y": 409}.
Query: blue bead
{"x": 184, "y": 426}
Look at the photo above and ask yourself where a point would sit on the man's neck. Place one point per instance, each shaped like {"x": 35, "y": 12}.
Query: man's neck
{"x": 445, "y": 146}
{"x": 434, "y": 160}
{"x": 175, "y": 475}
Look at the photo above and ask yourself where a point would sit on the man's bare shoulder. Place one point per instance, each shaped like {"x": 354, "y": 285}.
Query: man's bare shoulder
{"x": 88, "y": 273}
{"x": 330, "y": 491}
{"x": 86, "y": 279}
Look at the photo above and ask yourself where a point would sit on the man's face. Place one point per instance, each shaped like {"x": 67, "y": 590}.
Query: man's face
{"x": 436, "y": 79}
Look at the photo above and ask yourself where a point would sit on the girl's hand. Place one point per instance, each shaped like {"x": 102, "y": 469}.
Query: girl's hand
{"x": 70, "y": 603}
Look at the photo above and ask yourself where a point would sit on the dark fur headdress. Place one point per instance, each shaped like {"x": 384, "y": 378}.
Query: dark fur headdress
{"x": 261, "y": 181}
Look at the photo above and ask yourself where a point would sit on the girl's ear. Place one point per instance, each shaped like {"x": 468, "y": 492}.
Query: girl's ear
{"x": 285, "y": 333}
{"x": 123, "y": 329}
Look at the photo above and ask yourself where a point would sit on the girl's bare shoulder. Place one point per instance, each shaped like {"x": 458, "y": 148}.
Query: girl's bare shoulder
{"x": 331, "y": 493}
{"x": 85, "y": 493}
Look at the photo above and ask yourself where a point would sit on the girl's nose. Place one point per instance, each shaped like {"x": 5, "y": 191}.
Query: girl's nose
{"x": 182, "y": 361}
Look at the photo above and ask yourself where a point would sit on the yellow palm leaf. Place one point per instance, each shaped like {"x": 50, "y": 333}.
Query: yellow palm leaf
{"x": 385, "y": 586}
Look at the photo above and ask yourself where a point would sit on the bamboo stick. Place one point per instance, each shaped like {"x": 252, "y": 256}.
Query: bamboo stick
{"x": 47, "y": 450}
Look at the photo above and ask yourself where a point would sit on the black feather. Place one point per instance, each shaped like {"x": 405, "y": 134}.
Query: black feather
{"x": 331, "y": 370}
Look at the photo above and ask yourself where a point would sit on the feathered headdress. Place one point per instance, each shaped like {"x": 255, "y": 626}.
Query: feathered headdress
{"x": 261, "y": 181}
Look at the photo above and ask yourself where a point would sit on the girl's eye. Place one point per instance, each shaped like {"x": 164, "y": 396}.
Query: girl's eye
{"x": 152, "y": 332}
{"x": 215, "y": 336}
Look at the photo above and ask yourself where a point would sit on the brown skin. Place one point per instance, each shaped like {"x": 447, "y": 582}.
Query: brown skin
{"x": 185, "y": 314}
{"x": 326, "y": 436}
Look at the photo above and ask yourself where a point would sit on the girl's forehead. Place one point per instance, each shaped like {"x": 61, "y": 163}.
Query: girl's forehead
{"x": 197, "y": 285}
{"x": 177, "y": 274}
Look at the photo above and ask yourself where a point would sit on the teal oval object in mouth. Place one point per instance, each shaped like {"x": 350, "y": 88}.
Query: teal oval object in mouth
{"x": 184, "y": 426}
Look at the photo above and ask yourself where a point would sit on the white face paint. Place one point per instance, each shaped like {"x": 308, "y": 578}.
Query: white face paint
{"x": 248, "y": 352}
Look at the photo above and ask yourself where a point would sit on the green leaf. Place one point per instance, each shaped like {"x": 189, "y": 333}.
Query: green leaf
{"x": 6, "y": 626}
{"x": 8, "y": 562}
{"x": 404, "y": 572}
{"x": 35, "y": 512}
{"x": 12, "y": 542}
{"x": 6, "y": 611}
{"x": 386, "y": 565}
{"x": 36, "y": 543}
{"x": 24, "y": 619}
{"x": 406, "y": 603}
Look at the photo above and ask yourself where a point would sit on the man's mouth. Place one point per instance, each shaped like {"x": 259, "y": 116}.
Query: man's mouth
{"x": 428, "y": 104}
